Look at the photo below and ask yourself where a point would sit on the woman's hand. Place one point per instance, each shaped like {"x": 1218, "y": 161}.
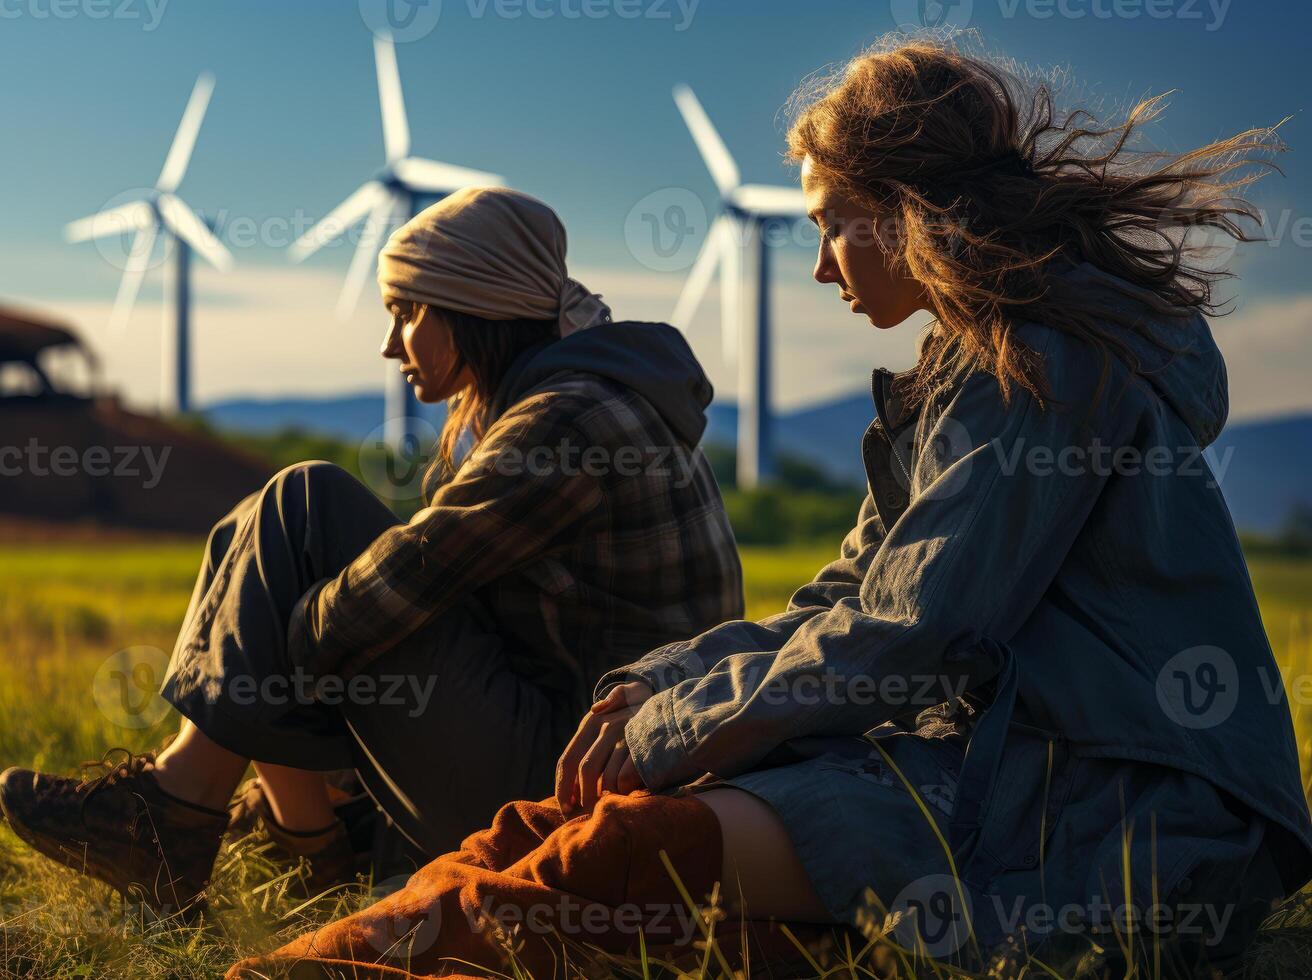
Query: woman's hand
{"x": 597, "y": 760}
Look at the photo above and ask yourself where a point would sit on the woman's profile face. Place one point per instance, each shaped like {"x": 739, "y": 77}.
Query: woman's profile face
{"x": 421, "y": 340}
{"x": 855, "y": 254}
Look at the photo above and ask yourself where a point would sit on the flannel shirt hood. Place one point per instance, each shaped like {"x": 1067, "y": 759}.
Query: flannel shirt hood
{"x": 652, "y": 359}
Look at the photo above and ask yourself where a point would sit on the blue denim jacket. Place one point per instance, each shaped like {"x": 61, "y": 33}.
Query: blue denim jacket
{"x": 1073, "y": 567}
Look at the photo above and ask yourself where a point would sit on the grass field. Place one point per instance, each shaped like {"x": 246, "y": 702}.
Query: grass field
{"x": 66, "y": 608}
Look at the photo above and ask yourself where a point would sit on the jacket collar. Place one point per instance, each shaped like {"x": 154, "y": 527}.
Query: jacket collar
{"x": 889, "y": 407}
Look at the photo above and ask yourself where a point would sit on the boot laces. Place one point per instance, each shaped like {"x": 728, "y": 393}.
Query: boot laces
{"x": 127, "y": 765}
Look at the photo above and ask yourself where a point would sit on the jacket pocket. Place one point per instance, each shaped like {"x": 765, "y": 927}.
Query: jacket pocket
{"x": 1032, "y": 784}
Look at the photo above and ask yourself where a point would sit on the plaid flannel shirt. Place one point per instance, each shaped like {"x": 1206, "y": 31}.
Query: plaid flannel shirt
{"x": 589, "y": 531}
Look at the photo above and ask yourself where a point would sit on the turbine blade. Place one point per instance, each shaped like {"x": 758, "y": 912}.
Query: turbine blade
{"x": 375, "y": 231}
{"x": 429, "y": 176}
{"x": 335, "y": 222}
{"x": 731, "y": 292}
{"x": 773, "y": 202}
{"x": 115, "y": 221}
{"x": 699, "y": 277}
{"x": 187, "y": 225}
{"x": 718, "y": 160}
{"x": 184, "y": 140}
{"x": 396, "y": 130}
{"x": 143, "y": 244}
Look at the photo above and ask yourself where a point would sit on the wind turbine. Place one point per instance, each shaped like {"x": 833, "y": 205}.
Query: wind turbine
{"x": 162, "y": 214}
{"x": 384, "y": 202}
{"x": 737, "y": 247}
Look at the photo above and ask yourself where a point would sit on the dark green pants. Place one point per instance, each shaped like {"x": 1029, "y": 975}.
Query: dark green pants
{"x": 440, "y": 729}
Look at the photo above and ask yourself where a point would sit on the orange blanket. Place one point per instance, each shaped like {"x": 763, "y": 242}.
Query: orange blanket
{"x": 549, "y": 889}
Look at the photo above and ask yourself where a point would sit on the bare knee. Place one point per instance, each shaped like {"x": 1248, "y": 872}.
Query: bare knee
{"x": 762, "y": 876}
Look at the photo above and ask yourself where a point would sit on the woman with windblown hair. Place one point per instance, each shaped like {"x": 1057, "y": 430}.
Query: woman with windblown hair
{"x": 1031, "y": 699}
{"x": 445, "y": 659}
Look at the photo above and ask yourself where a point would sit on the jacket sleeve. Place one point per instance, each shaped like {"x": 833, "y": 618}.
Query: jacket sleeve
{"x": 666, "y": 666}
{"x": 512, "y": 501}
{"x": 970, "y": 557}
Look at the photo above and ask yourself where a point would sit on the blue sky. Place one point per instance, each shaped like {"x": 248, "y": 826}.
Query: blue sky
{"x": 570, "y": 100}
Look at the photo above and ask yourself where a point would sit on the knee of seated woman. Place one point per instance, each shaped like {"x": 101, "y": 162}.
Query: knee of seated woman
{"x": 762, "y": 875}
{"x": 312, "y": 470}
{"x": 312, "y": 478}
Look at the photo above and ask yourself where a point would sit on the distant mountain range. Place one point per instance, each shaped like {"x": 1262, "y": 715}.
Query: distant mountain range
{"x": 1265, "y": 466}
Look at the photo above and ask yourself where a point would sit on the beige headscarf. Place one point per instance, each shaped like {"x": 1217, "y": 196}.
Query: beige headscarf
{"x": 492, "y": 252}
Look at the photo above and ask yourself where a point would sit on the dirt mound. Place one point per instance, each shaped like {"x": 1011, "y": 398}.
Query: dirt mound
{"x": 90, "y": 461}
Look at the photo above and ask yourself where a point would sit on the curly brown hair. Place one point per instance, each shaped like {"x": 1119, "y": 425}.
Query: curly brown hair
{"x": 992, "y": 190}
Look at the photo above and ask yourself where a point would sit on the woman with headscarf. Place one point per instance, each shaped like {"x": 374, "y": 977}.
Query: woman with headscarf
{"x": 446, "y": 659}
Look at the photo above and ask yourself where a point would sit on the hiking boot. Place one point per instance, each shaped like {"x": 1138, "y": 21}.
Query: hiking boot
{"x": 329, "y": 857}
{"x": 120, "y": 827}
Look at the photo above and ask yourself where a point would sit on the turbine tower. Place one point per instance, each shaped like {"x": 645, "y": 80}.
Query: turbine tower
{"x": 737, "y": 247}
{"x": 384, "y": 202}
{"x": 161, "y": 214}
